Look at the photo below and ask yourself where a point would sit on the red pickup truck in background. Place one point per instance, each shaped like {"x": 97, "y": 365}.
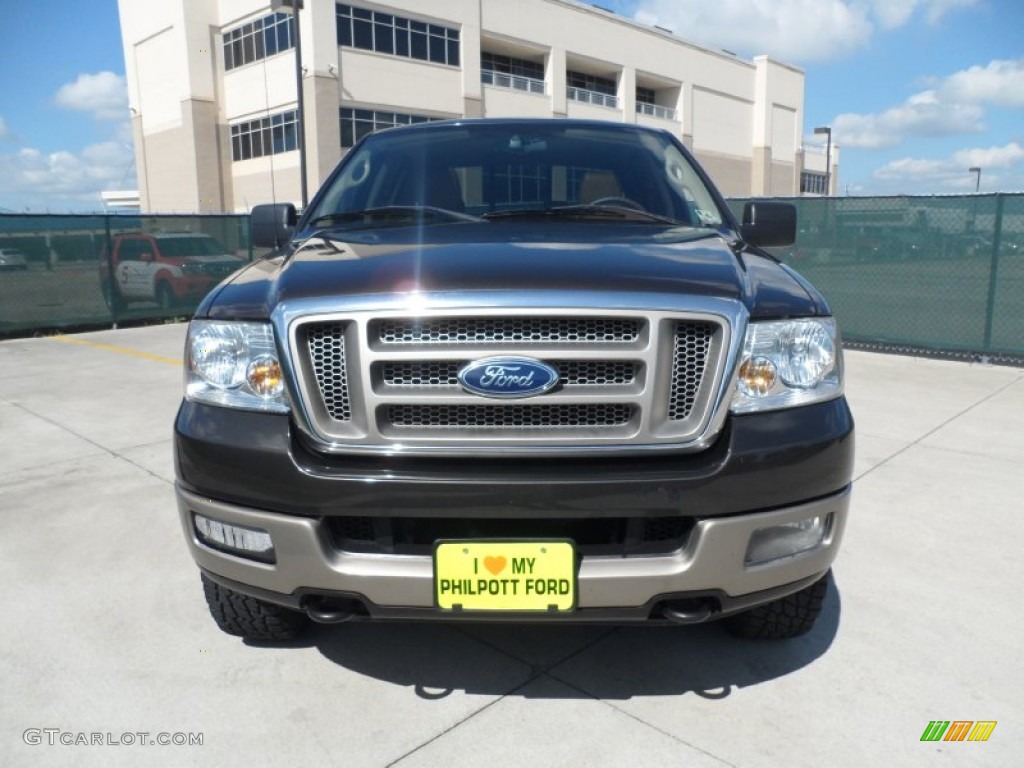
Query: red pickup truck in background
{"x": 171, "y": 269}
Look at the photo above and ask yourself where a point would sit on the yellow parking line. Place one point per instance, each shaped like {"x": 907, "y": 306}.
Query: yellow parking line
{"x": 119, "y": 350}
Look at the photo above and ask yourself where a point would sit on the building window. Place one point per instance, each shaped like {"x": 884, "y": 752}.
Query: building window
{"x": 520, "y": 184}
{"x": 510, "y": 72}
{"x": 357, "y": 123}
{"x": 266, "y": 136}
{"x": 645, "y": 104}
{"x": 258, "y": 39}
{"x": 398, "y": 36}
{"x": 812, "y": 183}
{"x": 591, "y": 89}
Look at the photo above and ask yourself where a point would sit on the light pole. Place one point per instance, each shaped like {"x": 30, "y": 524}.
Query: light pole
{"x": 295, "y": 6}
{"x": 826, "y": 130}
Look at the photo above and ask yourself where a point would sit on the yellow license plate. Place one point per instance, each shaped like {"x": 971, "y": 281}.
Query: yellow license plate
{"x": 505, "y": 575}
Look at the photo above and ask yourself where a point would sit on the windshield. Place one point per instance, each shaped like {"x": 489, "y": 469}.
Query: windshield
{"x": 506, "y": 170}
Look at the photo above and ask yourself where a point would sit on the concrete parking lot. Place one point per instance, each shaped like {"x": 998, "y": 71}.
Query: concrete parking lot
{"x": 104, "y": 630}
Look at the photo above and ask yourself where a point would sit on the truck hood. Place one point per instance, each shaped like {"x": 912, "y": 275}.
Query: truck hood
{"x": 463, "y": 259}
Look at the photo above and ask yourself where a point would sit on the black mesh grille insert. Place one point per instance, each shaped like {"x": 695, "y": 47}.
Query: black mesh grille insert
{"x": 508, "y": 330}
{"x": 592, "y": 535}
{"x": 326, "y": 345}
{"x": 565, "y": 415}
{"x": 689, "y": 362}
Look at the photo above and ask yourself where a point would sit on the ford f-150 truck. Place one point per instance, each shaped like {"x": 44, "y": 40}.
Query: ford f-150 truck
{"x": 515, "y": 370}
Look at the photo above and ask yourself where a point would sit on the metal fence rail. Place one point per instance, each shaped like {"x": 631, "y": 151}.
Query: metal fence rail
{"x": 933, "y": 273}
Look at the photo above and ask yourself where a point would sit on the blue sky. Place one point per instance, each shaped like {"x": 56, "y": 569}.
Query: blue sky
{"x": 916, "y": 90}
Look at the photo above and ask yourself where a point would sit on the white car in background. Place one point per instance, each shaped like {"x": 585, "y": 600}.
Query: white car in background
{"x": 11, "y": 259}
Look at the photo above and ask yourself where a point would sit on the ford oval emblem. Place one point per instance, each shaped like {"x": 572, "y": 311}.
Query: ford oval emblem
{"x": 508, "y": 377}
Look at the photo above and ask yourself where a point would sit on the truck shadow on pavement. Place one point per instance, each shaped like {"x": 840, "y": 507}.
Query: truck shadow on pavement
{"x": 589, "y": 660}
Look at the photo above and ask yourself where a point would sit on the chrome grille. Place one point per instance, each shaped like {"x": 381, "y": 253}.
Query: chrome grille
{"x": 629, "y": 378}
{"x": 689, "y": 360}
{"x": 508, "y": 330}
{"x": 571, "y": 373}
{"x": 326, "y": 345}
{"x": 460, "y": 417}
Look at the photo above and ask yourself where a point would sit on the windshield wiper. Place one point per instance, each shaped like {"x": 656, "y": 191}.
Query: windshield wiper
{"x": 393, "y": 215}
{"x": 619, "y": 212}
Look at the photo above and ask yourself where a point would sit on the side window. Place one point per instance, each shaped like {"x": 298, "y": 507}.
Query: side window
{"x": 129, "y": 250}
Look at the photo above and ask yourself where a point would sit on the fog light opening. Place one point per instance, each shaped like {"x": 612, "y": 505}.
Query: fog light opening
{"x": 788, "y": 539}
{"x": 253, "y": 543}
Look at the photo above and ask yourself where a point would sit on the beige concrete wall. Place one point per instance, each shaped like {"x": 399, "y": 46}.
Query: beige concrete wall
{"x": 722, "y": 123}
{"x": 731, "y": 175}
{"x": 201, "y": 119}
{"x": 503, "y": 102}
{"x": 323, "y": 131}
{"x": 373, "y": 78}
{"x": 172, "y": 185}
{"x": 760, "y": 171}
{"x": 785, "y": 180}
{"x": 252, "y": 181}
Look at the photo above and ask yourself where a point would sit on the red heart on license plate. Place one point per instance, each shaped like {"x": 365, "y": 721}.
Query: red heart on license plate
{"x": 495, "y": 564}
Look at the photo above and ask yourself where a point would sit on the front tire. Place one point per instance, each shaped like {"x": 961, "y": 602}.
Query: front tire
{"x": 113, "y": 299}
{"x": 789, "y": 616}
{"x": 249, "y": 618}
{"x": 165, "y": 297}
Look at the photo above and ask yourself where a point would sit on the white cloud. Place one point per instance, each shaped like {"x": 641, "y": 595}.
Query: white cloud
{"x": 4, "y": 133}
{"x": 1001, "y": 84}
{"x": 993, "y": 157}
{"x": 104, "y": 95}
{"x": 935, "y": 10}
{"x": 63, "y": 180}
{"x": 1002, "y": 168}
{"x": 923, "y": 114}
{"x": 792, "y": 30}
{"x": 953, "y": 106}
{"x": 787, "y": 29}
{"x": 894, "y": 13}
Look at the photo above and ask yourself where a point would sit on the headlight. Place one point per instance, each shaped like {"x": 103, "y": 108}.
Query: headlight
{"x": 787, "y": 363}
{"x": 234, "y": 365}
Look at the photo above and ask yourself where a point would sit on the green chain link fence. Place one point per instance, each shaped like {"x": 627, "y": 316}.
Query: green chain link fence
{"x": 68, "y": 271}
{"x": 944, "y": 274}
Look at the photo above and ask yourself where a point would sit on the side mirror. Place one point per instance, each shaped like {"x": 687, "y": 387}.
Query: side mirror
{"x": 146, "y": 256}
{"x": 271, "y": 226}
{"x": 767, "y": 223}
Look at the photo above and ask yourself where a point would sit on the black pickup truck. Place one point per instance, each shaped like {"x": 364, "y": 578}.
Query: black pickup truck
{"x": 515, "y": 370}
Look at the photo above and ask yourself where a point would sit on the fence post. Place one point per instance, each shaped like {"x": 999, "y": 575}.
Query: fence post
{"x": 111, "y": 282}
{"x": 993, "y": 273}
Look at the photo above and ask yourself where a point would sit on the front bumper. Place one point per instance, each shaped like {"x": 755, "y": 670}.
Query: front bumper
{"x": 767, "y": 469}
{"x": 711, "y": 564}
